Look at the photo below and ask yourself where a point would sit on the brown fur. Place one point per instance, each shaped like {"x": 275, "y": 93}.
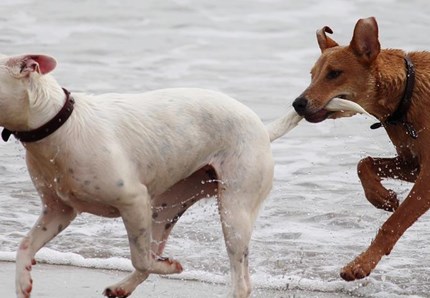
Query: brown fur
{"x": 376, "y": 80}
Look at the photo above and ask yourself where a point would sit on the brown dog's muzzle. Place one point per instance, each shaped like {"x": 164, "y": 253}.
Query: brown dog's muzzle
{"x": 301, "y": 105}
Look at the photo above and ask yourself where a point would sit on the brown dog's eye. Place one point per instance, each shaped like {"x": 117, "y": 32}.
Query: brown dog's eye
{"x": 333, "y": 74}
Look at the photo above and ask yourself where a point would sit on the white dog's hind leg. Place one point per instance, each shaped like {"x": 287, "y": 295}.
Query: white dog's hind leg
{"x": 237, "y": 229}
{"x": 137, "y": 217}
{"x": 244, "y": 191}
{"x": 237, "y": 226}
{"x": 172, "y": 204}
{"x": 238, "y": 212}
{"x": 168, "y": 208}
{"x": 55, "y": 217}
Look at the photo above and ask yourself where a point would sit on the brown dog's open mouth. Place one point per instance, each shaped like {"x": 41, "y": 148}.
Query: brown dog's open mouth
{"x": 319, "y": 116}
{"x": 337, "y": 104}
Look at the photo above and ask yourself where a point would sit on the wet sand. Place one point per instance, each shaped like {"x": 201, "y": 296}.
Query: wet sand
{"x": 53, "y": 281}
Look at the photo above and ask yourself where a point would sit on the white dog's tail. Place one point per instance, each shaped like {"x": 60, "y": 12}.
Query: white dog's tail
{"x": 286, "y": 123}
{"x": 281, "y": 126}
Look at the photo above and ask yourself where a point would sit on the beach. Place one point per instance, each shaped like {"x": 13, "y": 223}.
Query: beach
{"x": 53, "y": 281}
{"x": 316, "y": 218}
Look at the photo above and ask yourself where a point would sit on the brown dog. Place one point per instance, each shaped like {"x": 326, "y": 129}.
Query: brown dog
{"x": 394, "y": 86}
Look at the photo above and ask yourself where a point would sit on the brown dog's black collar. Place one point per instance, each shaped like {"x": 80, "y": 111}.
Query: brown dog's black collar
{"x": 46, "y": 129}
{"x": 398, "y": 117}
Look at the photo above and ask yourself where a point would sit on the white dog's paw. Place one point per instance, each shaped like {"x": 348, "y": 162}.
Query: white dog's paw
{"x": 24, "y": 284}
{"x": 112, "y": 292}
{"x": 167, "y": 266}
{"x": 125, "y": 287}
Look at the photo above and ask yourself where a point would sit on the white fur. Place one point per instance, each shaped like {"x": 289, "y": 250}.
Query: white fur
{"x": 284, "y": 124}
{"x": 338, "y": 104}
{"x": 145, "y": 157}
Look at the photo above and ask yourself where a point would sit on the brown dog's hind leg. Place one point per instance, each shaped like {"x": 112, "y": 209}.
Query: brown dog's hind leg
{"x": 372, "y": 170}
{"x": 415, "y": 205}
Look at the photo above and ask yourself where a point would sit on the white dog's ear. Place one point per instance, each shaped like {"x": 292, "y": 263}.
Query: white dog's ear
{"x": 23, "y": 66}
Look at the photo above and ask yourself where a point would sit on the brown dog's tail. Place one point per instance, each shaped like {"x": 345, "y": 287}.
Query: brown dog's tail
{"x": 281, "y": 126}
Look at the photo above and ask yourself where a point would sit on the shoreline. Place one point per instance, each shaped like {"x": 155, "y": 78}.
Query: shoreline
{"x": 53, "y": 281}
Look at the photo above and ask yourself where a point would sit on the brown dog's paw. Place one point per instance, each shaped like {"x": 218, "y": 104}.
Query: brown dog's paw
{"x": 353, "y": 272}
{"x": 361, "y": 267}
{"x": 391, "y": 201}
{"x": 385, "y": 199}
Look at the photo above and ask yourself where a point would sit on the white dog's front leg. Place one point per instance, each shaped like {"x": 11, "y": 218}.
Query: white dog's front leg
{"x": 55, "y": 218}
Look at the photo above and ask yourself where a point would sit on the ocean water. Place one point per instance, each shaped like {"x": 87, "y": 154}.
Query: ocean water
{"x": 316, "y": 218}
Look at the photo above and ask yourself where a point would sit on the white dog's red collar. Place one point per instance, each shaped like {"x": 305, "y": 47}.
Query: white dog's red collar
{"x": 46, "y": 129}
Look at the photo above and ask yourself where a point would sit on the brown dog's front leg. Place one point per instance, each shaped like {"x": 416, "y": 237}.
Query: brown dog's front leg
{"x": 372, "y": 170}
{"x": 415, "y": 205}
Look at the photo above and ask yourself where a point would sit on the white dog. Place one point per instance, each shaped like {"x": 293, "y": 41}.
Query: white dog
{"x": 142, "y": 157}
{"x": 145, "y": 157}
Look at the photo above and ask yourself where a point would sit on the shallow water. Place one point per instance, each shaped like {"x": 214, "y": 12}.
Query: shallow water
{"x": 316, "y": 219}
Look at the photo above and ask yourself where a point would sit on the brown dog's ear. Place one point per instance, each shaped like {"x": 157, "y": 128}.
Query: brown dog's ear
{"x": 365, "y": 43}
{"x": 324, "y": 41}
